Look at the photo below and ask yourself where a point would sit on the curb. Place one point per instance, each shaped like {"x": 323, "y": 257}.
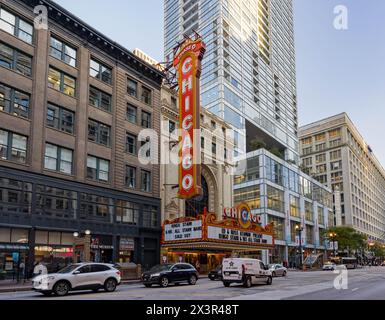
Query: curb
{"x": 24, "y": 289}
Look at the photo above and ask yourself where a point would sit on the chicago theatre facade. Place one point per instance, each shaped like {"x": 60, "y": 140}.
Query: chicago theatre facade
{"x": 200, "y": 225}
{"x": 206, "y": 228}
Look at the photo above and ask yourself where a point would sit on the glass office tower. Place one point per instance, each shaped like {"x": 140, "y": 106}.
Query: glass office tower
{"x": 248, "y": 73}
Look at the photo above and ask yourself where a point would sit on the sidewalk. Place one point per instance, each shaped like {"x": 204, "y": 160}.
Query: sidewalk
{"x": 13, "y": 286}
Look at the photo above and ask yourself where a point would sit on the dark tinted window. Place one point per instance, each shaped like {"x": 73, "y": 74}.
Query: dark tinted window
{"x": 178, "y": 267}
{"x": 99, "y": 268}
{"x": 262, "y": 265}
{"x": 187, "y": 266}
{"x": 85, "y": 269}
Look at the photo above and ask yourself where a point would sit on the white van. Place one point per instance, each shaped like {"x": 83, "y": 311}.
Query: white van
{"x": 245, "y": 271}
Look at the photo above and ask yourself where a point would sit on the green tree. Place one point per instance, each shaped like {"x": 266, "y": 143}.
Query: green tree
{"x": 378, "y": 250}
{"x": 347, "y": 238}
{"x": 277, "y": 152}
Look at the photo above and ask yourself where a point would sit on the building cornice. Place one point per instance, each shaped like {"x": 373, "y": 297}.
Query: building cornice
{"x": 70, "y": 22}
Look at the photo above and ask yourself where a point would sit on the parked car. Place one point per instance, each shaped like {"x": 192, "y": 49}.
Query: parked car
{"x": 75, "y": 277}
{"x": 329, "y": 266}
{"x": 165, "y": 274}
{"x": 216, "y": 274}
{"x": 246, "y": 272}
{"x": 278, "y": 270}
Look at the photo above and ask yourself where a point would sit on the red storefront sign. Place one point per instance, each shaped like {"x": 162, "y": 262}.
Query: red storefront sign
{"x": 187, "y": 62}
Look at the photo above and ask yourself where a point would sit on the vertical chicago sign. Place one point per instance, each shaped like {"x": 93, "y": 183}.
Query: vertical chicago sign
{"x": 187, "y": 63}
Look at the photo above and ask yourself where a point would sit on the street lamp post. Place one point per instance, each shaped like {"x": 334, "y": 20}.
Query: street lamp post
{"x": 299, "y": 230}
{"x": 84, "y": 240}
{"x": 332, "y": 236}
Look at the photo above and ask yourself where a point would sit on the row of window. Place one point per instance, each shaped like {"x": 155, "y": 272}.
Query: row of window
{"x": 16, "y": 196}
{"x": 62, "y": 82}
{"x": 332, "y": 134}
{"x": 16, "y": 60}
{"x": 17, "y": 103}
{"x": 13, "y": 147}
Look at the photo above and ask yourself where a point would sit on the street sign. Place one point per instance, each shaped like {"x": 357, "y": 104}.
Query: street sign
{"x": 333, "y": 245}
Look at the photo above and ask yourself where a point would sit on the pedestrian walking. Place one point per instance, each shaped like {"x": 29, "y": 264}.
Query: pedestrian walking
{"x": 22, "y": 270}
{"x": 197, "y": 266}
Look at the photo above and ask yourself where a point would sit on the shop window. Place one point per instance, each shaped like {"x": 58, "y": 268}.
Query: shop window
{"x": 67, "y": 239}
{"x": 19, "y": 236}
{"x": 41, "y": 237}
{"x": 54, "y": 238}
{"x": 5, "y": 235}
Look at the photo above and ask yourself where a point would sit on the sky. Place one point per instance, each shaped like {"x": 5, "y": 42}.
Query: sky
{"x": 337, "y": 70}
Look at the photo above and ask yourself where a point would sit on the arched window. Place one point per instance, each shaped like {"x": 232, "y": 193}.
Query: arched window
{"x": 195, "y": 206}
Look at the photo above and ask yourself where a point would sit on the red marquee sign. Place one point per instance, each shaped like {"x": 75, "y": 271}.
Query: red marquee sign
{"x": 187, "y": 62}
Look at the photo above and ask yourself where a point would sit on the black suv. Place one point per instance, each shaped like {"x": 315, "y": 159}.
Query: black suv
{"x": 216, "y": 274}
{"x": 170, "y": 273}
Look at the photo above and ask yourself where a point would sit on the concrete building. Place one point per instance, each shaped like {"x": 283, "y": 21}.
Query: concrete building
{"x": 334, "y": 152}
{"x": 248, "y": 75}
{"x": 72, "y": 103}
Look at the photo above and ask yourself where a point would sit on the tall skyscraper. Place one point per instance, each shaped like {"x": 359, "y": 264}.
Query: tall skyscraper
{"x": 248, "y": 75}
{"x": 248, "y": 79}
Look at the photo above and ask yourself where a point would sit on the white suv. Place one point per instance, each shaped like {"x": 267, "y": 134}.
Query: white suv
{"x": 75, "y": 277}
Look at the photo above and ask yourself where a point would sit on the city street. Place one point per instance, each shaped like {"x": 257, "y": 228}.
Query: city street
{"x": 367, "y": 283}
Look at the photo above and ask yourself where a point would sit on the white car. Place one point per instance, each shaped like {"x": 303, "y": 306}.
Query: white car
{"x": 329, "y": 266}
{"x": 245, "y": 271}
{"x": 278, "y": 270}
{"x": 75, "y": 277}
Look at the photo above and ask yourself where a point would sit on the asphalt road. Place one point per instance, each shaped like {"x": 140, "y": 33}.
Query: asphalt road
{"x": 368, "y": 283}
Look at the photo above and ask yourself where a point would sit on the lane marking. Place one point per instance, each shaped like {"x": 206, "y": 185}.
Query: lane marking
{"x": 355, "y": 289}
